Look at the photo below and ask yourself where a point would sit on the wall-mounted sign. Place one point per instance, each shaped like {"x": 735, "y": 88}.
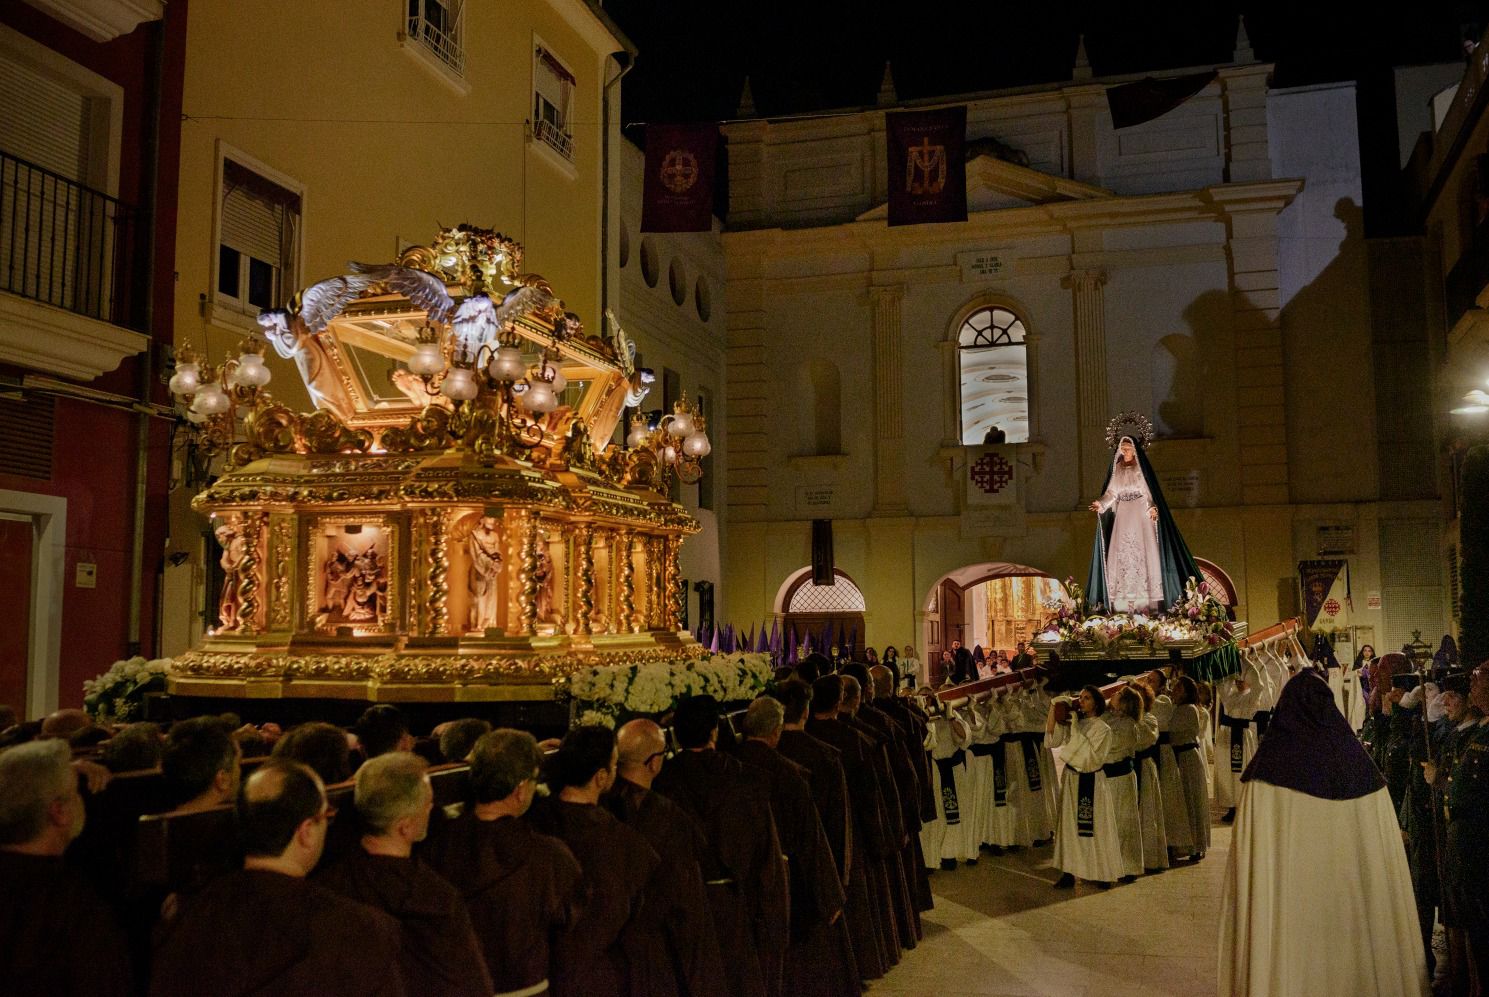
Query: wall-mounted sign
{"x": 1336, "y": 539}
{"x": 814, "y": 498}
{"x": 1181, "y": 488}
{"x": 979, "y": 264}
{"x": 86, "y": 576}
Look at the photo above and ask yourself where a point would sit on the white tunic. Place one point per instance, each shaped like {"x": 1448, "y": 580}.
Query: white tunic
{"x": 979, "y": 799}
{"x": 1237, "y": 705}
{"x": 1150, "y": 807}
{"x": 1084, "y": 745}
{"x": 1175, "y": 817}
{"x": 1121, "y": 747}
{"x": 1318, "y": 900}
{"x": 1186, "y": 726}
{"x": 1036, "y": 706}
{"x": 938, "y": 838}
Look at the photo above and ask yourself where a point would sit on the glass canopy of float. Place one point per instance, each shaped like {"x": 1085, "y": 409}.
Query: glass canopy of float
{"x": 453, "y": 521}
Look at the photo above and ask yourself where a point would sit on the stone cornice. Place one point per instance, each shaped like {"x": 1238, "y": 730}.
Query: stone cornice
{"x": 60, "y": 342}
{"x": 102, "y": 20}
{"x": 1211, "y": 203}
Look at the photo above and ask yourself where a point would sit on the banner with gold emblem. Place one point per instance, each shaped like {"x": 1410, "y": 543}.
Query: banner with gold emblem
{"x": 677, "y": 195}
{"x": 927, "y": 168}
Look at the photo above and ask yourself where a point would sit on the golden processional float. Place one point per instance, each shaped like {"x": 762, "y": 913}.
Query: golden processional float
{"x": 452, "y": 523}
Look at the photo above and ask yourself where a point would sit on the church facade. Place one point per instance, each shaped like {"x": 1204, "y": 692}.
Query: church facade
{"x": 941, "y": 392}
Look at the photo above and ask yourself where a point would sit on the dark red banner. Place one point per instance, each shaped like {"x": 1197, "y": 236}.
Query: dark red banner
{"x": 927, "y": 165}
{"x": 678, "y": 192}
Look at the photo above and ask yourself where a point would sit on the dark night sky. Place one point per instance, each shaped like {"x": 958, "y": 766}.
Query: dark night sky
{"x": 814, "y": 55}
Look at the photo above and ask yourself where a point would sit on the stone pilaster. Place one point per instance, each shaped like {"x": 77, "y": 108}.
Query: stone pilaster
{"x": 1092, "y": 407}
{"x": 1243, "y": 94}
{"x": 747, "y": 422}
{"x": 889, "y": 419}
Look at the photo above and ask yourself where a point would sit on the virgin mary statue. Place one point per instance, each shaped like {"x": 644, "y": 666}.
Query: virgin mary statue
{"x": 1139, "y": 562}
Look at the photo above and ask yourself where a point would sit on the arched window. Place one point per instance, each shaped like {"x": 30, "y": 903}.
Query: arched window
{"x": 822, "y": 614}
{"x": 994, "y": 368}
{"x": 819, "y": 408}
{"x": 842, "y": 596}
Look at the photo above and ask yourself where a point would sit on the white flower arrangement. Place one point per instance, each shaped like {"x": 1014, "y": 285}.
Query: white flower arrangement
{"x": 606, "y": 692}
{"x": 116, "y": 695}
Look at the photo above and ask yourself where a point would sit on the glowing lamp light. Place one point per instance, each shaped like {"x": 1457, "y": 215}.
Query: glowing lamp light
{"x": 539, "y": 397}
{"x": 186, "y": 380}
{"x": 697, "y": 445}
{"x": 1471, "y": 410}
{"x": 557, "y": 380}
{"x": 669, "y": 454}
{"x": 680, "y": 425}
{"x": 506, "y": 364}
{"x": 211, "y": 400}
{"x": 459, "y": 384}
{"x": 637, "y": 435}
{"x": 252, "y": 372}
{"x": 427, "y": 360}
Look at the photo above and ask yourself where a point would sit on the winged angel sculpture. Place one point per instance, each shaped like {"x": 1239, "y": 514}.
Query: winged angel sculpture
{"x": 476, "y": 322}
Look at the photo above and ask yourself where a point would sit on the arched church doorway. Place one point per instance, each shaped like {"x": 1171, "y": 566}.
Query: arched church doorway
{"x": 824, "y": 615}
{"x": 994, "y": 605}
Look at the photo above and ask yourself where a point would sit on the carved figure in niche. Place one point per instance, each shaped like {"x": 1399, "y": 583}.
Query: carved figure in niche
{"x": 234, "y": 553}
{"x": 484, "y": 549}
{"x": 543, "y": 572}
{"x": 369, "y": 583}
{"x": 337, "y": 576}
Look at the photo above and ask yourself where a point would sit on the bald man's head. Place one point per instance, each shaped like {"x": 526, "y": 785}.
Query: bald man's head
{"x": 852, "y": 693}
{"x": 638, "y": 740}
{"x": 883, "y": 679}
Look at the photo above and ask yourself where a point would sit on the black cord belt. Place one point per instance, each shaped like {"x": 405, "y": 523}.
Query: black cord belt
{"x": 1113, "y": 770}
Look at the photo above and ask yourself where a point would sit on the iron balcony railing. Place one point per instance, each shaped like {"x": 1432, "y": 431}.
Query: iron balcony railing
{"x": 63, "y": 243}
{"x": 437, "y": 27}
{"x": 550, "y": 134}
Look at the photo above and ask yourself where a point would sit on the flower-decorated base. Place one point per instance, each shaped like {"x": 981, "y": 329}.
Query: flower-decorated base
{"x": 412, "y": 670}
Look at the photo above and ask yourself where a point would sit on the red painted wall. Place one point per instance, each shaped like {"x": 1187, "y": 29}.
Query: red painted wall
{"x": 95, "y": 447}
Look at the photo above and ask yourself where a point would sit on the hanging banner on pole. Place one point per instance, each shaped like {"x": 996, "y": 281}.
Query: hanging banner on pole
{"x": 927, "y": 165}
{"x": 677, "y": 194}
{"x": 1326, "y": 599}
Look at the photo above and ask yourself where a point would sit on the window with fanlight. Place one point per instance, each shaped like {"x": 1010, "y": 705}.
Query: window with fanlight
{"x": 993, "y": 368}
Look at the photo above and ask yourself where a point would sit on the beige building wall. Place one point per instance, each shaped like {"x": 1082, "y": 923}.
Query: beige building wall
{"x": 385, "y": 144}
{"x": 1207, "y": 268}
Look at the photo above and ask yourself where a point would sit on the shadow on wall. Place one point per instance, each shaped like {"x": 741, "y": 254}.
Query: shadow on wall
{"x": 1181, "y": 368}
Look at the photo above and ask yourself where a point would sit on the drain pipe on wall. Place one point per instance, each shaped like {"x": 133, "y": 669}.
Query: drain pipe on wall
{"x": 626, "y": 59}
{"x": 149, "y": 198}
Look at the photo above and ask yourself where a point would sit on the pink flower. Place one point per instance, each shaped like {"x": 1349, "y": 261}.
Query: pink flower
{"x": 1194, "y": 612}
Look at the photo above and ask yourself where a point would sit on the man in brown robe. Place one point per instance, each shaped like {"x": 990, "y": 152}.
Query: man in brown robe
{"x": 439, "y": 953}
{"x": 910, "y": 729}
{"x": 872, "y": 833}
{"x": 265, "y": 928}
{"x": 812, "y": 964}
{"x": 742, "y": 867}
{"x": 904, "y": 918}
{"x": 907, "y": 785}
{"x": 677, "y": 909}
{"x": 523, "y": 890}
{"x": 593, "y": 960}
{"x": 56, "y": 935}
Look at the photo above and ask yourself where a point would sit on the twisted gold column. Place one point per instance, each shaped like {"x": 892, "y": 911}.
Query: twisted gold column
{"x": 249, "y": 572}
{"x": 527, "y": 576}
{"x": 584, "y": 577}
{"x": 625, "y": 582}
{"x": 436, "y": 601}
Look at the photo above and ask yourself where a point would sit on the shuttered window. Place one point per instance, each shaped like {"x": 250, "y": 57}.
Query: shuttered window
{"x": 26, "y": 436}
{"x": 43, "y": 121}
{"x": 257, "y": 244}
{"x": 553, "y": 94}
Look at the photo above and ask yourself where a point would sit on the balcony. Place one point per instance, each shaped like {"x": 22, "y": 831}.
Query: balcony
{"x": 552, "y": 136}
{"x": 65, "y": 251}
